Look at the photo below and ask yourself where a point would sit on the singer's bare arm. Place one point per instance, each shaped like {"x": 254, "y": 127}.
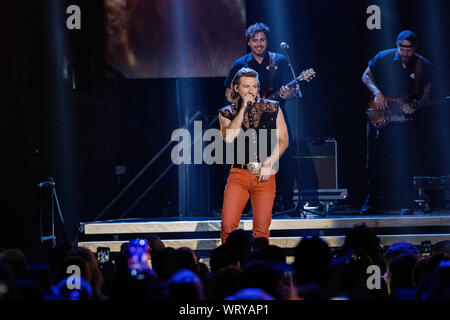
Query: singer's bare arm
{"x": 283, "y": 138}
{"x": 248, "y": 92}
{"x": 230, "y": 129}
{"x": 282, "y": 143}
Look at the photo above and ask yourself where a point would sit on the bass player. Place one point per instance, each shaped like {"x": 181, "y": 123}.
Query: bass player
{"x": 391, "y": 158}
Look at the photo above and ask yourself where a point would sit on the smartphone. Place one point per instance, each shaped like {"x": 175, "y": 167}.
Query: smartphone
{"x": 139, "y": 257}
{"x": 425, "y": 248}
{"x": 103, "y": 255}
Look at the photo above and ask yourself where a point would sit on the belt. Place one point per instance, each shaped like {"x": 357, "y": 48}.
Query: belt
{"x": 239, "y": 166}
{"x": 252, "y": 167}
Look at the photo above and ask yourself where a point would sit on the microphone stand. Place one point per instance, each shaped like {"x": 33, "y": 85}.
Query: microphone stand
{"x": 293, "y": 72}
{"x": 297, "y": 211}
{"x": 53, "y": 200}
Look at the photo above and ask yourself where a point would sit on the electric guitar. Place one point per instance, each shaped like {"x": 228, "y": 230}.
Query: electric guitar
{"x": 306, "y": 75}
{"x": 379, "y": 118}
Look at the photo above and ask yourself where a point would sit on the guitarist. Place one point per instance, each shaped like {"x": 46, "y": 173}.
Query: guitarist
{"x": 272, "y": 68}
{"x": 390, "y": 155}
{"x": 273, "y": 72}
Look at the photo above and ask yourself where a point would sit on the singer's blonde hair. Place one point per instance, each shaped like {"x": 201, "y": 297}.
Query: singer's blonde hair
{"x": 243, "y": 72}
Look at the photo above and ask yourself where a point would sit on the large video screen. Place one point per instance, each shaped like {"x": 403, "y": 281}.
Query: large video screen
{"x": 174, "y": 38}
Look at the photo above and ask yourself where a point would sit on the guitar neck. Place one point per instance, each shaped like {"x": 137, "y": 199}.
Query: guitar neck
{"x": 276, "y": 95}
{"x": 305, "y": 75}
{"x": 418, "y": 104}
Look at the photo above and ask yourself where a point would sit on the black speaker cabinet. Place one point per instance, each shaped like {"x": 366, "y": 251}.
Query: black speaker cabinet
{"x": 432, "y": 192}
{"x": 317, "y": 169}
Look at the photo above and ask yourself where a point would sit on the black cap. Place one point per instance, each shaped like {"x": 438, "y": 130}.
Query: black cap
{"x": 407, "y": 35}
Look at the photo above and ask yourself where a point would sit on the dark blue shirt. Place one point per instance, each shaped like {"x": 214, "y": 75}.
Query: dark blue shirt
{"x": 391, "y": 78}
{"x": 281, "y": 75}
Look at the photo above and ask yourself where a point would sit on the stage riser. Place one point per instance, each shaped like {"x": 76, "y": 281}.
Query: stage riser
{"x": 274, "y": 233}
{"x": 285, "y": 243}
{"x": 204, "y": 235}
{"x": 277, "y": 224}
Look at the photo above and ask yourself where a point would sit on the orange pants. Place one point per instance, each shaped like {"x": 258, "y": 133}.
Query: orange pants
{"x": 240, "y": 186}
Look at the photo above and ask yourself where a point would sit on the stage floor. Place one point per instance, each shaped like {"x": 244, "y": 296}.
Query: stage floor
{"x": 203, "y": 233}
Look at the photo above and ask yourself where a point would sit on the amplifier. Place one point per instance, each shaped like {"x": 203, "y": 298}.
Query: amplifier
{"x": 424, "y": 187}
{"x": 317, "y": 169}
{"x": 316, "y": 163}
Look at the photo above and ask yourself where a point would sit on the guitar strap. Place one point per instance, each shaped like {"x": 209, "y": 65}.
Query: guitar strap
{"x": 272, "y": 67}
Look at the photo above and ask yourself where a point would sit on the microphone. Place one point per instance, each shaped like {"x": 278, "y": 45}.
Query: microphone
{"x": 285, "y": 46}
{"x": 46, "y": 184}
{"x": 249, "y": 105}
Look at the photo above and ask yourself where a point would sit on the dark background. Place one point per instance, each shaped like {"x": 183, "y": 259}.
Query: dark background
{"x": 78, "y": 127}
